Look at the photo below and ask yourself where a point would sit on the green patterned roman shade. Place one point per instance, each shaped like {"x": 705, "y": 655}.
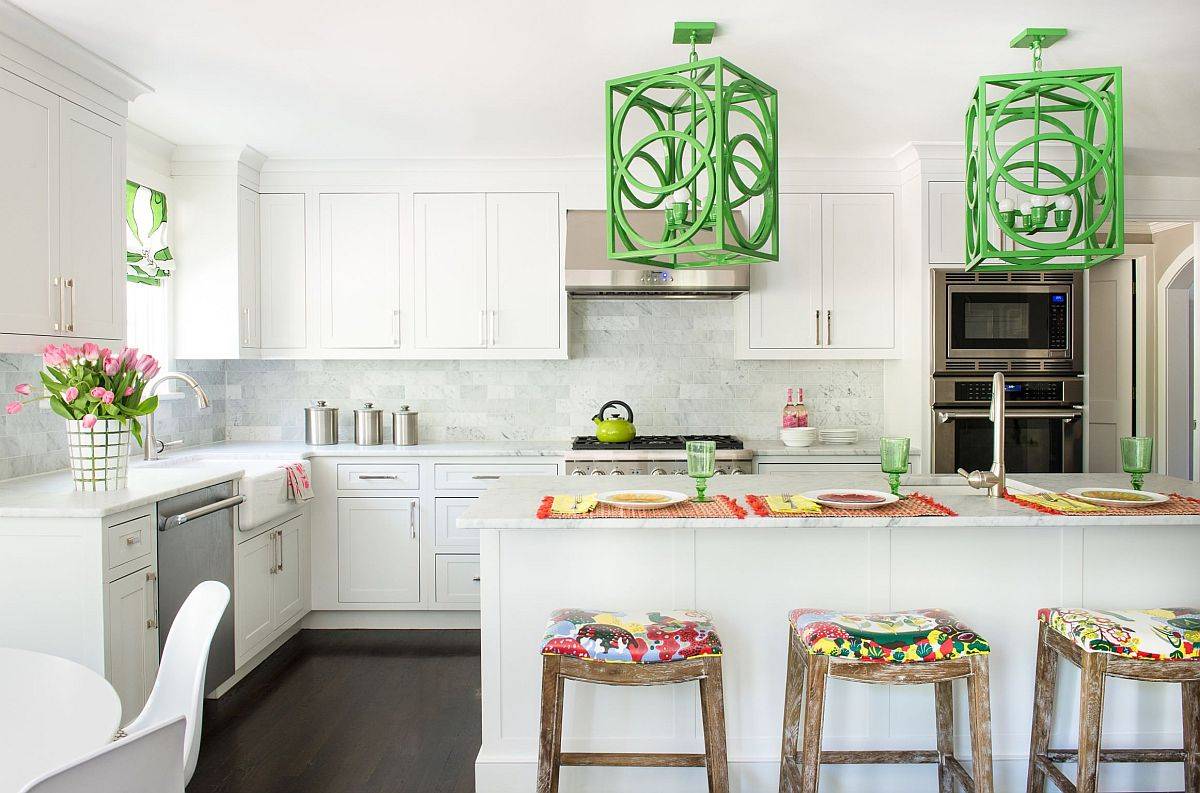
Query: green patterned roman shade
{"x": 146, "y": 249}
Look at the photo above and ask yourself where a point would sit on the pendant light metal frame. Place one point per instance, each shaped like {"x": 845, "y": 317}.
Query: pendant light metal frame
{"x": 1077, "y": 108}
{"x": 691, "y": 154}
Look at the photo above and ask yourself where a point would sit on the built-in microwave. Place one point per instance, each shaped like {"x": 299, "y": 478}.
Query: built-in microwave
{"x": 1018, "y": 321}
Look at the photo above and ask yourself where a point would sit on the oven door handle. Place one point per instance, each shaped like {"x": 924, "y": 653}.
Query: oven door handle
{"x": 945, "y": 416}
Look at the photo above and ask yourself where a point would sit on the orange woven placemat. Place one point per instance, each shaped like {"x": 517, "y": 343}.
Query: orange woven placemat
{"x": 719, "y": 507}
{"x": 1177, "y": 505}
{"x": 914, "y": 505}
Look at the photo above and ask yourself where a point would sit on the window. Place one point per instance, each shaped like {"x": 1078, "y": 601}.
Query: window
{"x": 150, "y": 263}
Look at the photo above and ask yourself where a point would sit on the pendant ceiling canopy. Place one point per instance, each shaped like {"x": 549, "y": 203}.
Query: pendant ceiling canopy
{"x": 1045, "y": 166}
{"x": 694, "y": 148}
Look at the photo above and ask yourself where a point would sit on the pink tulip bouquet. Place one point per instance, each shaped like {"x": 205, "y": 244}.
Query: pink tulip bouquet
{"x": 90, "y": 383}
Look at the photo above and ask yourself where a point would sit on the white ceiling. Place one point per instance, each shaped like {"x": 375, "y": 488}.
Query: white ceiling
{"x": 483, "y": 78}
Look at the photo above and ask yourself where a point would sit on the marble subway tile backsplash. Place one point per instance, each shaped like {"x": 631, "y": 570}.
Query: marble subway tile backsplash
{"x": 672, "y": 361}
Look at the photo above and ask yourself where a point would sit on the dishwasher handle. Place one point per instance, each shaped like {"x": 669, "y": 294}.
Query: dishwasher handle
{"x": 199, "y": 512}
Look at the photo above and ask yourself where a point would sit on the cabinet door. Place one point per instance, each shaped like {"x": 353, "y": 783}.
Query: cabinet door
{"x": 449, "y": 234}
{"x": 253, "y": 609}
{"x": 29, "y": 189}
{"x": 281, "y": 274}
{"x": 524, "y": 290}
{"x": 947, "y": 222}
{"x": 858, "y": 276}
{"x": 91, "y": 229}
{"x": 379, "y": 550}
{"x": 248, "y": 317}
{"x": 785, "y": 296}
{"x": 132, "y": 635}
{"x": 360, "y": 270}
{"x": 289, "y": 595}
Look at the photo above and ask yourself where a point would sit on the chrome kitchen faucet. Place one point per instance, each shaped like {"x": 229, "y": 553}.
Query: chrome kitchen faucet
{"x": 152, "y": 447}
{"x": 993, "y": 479}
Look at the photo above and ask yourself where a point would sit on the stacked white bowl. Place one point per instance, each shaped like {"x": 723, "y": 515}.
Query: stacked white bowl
{"x": 798, "y": 436}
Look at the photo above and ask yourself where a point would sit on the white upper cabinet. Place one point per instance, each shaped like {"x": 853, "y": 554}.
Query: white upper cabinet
{"x": 832, "y": 294}
{"x": 785, "y": 296}
{"x": 60, "y": 219}
{"x": 524, "y": 292}
{"x": 450, "y": 257}
{"x": 858, "y": 273}
{"x": 247, "y": 253}
{"x": 360, "y": 270}
{"x": 947, "y": 222}
{"x": 281, "y": 271}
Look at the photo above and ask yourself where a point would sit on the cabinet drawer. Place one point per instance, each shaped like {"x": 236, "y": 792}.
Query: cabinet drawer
{"x": 480, "y": 476}
{"x": 811, "y": 468}
{"x": 456, "y": 578}
{"x": 445, "y": 515}
{"x": 351, "y": 476}
{"x": 130, "y": 540}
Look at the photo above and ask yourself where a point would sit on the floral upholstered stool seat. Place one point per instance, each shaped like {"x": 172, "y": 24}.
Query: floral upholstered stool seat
{"x": 899, "y": 648}
{"x": 631, "y": 649}
{"x": 1152, "y": 645}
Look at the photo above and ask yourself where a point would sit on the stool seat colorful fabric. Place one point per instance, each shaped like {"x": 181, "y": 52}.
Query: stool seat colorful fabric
{"x": 633, "y": 638}
{"x": 899, "y": 638}
{"x": 1165, "y": 634}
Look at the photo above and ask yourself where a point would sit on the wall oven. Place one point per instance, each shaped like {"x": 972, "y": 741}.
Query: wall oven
{"x": 1018, "y": 322}
{"x": 1043, "y": 431}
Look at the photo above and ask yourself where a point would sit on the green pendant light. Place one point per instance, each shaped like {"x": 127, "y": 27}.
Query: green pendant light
{"x": 1045, "y": 166}
{"x": 697, "y": 143}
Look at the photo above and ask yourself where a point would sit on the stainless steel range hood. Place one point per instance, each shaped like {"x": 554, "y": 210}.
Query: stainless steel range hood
{"x": 591, "y": 274}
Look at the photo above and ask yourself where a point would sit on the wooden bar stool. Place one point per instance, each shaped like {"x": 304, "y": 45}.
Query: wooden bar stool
{"x": 1155, "y": 645}
{"x": 906, "y": 648}
{"x": 619, "y": 649}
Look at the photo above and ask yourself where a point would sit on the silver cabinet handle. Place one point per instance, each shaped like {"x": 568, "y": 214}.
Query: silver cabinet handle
{"x": 818, "y": 313}
{"x": 152, "y": 586}
{"x": 828, "y": 327}
{"x": 70, "y": 282}
{"x": 279, "y": 535}
{"x": 274, "y": 568}
{"x": 475, "y": 579}
{"x": 245, "y": 326}
{"x": 378, "y": 476}
{"x": 62, "y": 310}
{"x": 412, "y": 519}
{"x": 396, "y": 327}
{"x": 208, "y": 509}
{"x": 133, "y": 539}
{"x": 495, "y": 327}
{"x": 482, "y": 328}
{"x": 486, "y": 476}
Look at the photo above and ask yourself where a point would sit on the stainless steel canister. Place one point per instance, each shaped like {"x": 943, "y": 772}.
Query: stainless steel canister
{"x": 321, "y": 425}
{"x": 368, "y": 425}
{"x": 404, "y": 427}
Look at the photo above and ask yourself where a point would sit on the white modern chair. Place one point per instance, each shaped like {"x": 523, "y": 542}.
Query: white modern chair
{"x": 150, "y": 761}
{"x": 179, "y": 688}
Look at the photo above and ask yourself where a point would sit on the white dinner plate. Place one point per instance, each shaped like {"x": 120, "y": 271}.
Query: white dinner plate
{"x": 673, "y": 498}
{"x": 819, "y": 496}
{"x": 1153, "y": 498}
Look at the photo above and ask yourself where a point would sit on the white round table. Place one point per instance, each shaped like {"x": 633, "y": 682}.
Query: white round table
{"x": 54, "y": 711}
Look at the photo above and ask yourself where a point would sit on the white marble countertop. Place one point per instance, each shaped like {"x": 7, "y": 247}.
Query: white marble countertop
{"x": 513, "y": 503}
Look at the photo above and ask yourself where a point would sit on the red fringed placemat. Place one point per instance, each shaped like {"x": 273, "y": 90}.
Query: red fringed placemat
{"x": 915, "y": 505}
{"x": 719, "y": 507}
{"x": 1177, "y": 505}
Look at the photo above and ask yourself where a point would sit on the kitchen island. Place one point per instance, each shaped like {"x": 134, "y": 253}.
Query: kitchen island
{"x": 994, "y": 565}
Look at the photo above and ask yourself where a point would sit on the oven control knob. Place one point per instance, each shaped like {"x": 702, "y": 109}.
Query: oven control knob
{"x": 617, "y": 472}
{"x": 736, "y": 472}
{"x": 578, "y": 472}
{"x": 657, "y": 472}
{"x": 597, "y": 472}
{"x": 721, "y": 472}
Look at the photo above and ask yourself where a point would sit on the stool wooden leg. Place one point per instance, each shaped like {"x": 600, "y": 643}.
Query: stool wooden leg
{"x": 712, "y": 705}
{"x": 816, "y": 676}
{"x": 550, "y": 737}
{"x": 1044, "y": 688}
{"x": 979, "y": 697}
{"x": 943, "y": 711}
{"x": 1091, "y": 711}
{"x": 793, "y": 706}
{"x": 1191, "y": 736}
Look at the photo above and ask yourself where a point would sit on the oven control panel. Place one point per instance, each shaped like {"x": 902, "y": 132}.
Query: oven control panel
{"x": 1058, "y": 321}
{"x": 1015, "y": 391}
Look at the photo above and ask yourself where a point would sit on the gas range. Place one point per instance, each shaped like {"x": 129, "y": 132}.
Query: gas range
{"x": 653, "y": 455}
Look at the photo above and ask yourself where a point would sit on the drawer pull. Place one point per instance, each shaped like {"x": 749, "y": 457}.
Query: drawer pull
{"x": 133, "y": 539}
{"x": 475, "y": 579}
{"x": 486, "y": 476}
{"x": 378, "y": 476}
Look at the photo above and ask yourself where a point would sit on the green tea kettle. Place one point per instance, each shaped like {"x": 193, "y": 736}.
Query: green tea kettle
{"x": 614, "y": 430}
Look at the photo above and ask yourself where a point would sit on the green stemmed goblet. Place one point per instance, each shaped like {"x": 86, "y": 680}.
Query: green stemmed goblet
{"x": 701, "y": 465}
{"x": 893, "y": 459}
{"x": 1137, "y": 454}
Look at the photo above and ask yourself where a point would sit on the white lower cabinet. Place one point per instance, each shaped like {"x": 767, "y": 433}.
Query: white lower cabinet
{"x": 271, "y": 585}
{"x": 379, "y": 550}
{"x": 132, "y": 638}
{"x": 446, "y": 533}
{"x": 456, "y": 578}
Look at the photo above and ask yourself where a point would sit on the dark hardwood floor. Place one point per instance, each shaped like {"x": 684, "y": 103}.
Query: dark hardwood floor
{"x": 349, "y": 712}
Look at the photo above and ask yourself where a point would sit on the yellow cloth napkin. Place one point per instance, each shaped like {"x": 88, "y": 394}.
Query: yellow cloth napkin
{"x": 1059, "y": 503}
{"x": 792, "y": 505}
{"x": 567, "y": 505}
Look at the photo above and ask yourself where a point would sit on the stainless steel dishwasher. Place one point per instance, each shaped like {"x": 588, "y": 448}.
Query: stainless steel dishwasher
{"x": 195, "y": 543}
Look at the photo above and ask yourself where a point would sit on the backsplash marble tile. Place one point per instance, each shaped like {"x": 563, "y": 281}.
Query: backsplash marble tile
{"x": 34, "y": 440}
{"x": 672, "y": 361}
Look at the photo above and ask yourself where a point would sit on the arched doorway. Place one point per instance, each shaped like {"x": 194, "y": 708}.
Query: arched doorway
{"x": 1176, "y": 341}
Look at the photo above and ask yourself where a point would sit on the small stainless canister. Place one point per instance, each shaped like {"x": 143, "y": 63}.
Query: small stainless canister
{"x": 368, "y": 425}
{"x": 404, "y": 427}
{"x": 321, "y": 425}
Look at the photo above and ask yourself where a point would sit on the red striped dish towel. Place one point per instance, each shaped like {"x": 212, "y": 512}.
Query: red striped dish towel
{"x": 299, "y": 488}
